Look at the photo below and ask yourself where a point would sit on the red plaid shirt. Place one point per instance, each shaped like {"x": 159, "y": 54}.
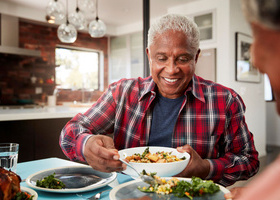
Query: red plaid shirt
{"x": 211, "y": 120}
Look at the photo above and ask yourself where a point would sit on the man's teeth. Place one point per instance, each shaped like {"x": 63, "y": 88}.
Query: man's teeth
{"x": 171, "y": 80}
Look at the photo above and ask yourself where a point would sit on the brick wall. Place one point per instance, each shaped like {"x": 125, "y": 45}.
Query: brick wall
{"x": 16, "y": 71}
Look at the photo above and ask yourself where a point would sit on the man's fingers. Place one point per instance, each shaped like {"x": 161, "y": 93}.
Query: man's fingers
{"x": 98, "y": 148}
{"x": 104, "y": 165}
{"x": 186, "y": 148}
{"x": 99, "y": 156}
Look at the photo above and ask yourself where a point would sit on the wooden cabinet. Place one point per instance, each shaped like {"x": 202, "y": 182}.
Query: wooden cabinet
{"x": 37, "y": 138}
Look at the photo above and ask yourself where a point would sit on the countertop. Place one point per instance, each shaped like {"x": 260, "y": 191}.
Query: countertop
{"x": 45, "y": 112}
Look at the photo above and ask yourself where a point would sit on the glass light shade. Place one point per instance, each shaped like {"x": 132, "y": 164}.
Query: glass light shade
{"x": 67, "y": 33}
{"x": 78, "y": 20}
{"x": 86, "y": 5}
{"x": 97, "y": 28}
{"x": 55, "y": 9}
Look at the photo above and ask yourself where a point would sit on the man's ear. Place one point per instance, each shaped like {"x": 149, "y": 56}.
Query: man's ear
{"x": 197, "y": 55}
{"x": 148, "y": 53}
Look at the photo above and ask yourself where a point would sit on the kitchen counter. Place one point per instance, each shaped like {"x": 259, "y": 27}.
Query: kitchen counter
{"x": 41, "y": 113}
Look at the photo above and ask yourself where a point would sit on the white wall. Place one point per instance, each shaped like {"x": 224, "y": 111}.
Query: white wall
{"x": 252, "y": 93}
{"x": 229, "y": 19}
{"x": 272, "y": 124}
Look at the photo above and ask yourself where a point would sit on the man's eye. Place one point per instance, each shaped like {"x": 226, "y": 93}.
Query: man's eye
{"x": 161, "y": 58}
{"x": 183, "y": 60}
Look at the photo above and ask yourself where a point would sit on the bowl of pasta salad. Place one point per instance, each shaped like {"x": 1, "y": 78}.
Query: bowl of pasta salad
{"x": 164, "y": 161}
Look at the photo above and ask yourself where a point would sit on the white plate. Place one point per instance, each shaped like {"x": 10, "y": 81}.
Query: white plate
{"x": 129, "y": 190}
{"x": 29, "y": 191}
{"x": 88, "y": 178}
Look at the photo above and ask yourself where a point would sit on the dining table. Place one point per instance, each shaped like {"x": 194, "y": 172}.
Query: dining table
{"x": 25, "y": 169}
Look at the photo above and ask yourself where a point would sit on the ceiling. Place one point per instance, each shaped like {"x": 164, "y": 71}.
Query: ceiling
{"x": 114, "y": 13}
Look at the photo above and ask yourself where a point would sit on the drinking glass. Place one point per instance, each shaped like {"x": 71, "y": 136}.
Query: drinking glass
{"x": 9, "y": 156}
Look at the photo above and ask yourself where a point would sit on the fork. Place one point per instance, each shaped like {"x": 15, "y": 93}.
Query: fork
{"x": 147, "y": 179}
{"x": 94, "y": 197}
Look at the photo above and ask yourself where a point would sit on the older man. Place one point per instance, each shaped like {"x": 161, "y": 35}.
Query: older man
{"x": 173, "y": 108}
{"x": 264, "y": 18}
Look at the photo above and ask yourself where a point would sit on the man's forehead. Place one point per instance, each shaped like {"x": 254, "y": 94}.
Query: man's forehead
{"x": 171, "y": 51}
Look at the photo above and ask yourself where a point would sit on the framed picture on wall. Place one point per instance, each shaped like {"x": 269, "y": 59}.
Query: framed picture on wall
{"x": 245, "y": 71}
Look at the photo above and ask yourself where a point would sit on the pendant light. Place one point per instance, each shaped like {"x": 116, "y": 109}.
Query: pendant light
{"x": 77, "y": 18}
{"x": 97, "y": 28}
{"x": 67, "y": 33}
{"x": 86, "y": 5}
{"x": 55, "y": 10}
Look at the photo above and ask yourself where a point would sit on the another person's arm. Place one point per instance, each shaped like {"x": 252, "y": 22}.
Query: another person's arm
{"x": 264, "y": 186}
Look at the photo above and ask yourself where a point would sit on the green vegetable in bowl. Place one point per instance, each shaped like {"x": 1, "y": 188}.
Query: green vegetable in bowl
{"x": 50, "y": 182}
{"x": 23, "y": 196}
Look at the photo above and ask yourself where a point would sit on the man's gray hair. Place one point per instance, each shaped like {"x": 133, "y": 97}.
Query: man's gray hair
{"x": 178, "y": 23}
{"x": 264, "y": 12}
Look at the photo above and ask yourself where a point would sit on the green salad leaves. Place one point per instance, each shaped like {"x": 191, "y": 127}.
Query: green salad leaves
{"x": 197, "y": 187}
{"x": 182, "y": 188}
{"x": 50, "y": 182}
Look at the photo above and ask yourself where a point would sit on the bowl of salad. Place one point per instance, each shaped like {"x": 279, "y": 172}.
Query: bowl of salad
{"x": 163, "y": 161}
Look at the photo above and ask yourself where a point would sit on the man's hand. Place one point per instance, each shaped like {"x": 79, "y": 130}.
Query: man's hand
{"x": 101, "y": 155}
{"x": 234, "y": 193}
{"x": 196, "y": 166}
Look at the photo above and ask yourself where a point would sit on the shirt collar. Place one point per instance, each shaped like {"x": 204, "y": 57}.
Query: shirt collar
{"x": 194, "y": 88}
{"x": 148, "y": 87}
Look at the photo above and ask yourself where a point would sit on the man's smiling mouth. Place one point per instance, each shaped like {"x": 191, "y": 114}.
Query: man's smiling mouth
{"x": 171, "y": 80}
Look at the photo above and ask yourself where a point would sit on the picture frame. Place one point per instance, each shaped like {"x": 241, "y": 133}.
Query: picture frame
{"x": 245, "y": 71}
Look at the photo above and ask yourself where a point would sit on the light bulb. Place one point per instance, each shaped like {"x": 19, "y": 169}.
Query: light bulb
{"x": 50, "y": 20}
{"x": 67, "y": 33}
{"x": 78, "y": 19}
{"x": 97, "y": 28}
{"x": 55, "y": 9}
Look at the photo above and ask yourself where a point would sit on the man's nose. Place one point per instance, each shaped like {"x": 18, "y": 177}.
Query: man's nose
{"x": 171, "y": 67}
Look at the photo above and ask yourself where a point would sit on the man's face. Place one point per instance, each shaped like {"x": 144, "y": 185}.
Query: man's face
{"x": 172, "y": 63}
{"x": 265, "y": 52}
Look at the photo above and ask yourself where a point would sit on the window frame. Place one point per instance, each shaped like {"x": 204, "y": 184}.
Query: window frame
{"x": 100, "y": 62}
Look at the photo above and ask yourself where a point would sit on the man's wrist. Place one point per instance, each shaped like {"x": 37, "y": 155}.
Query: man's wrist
{"x": 206, "y": 168}
{"x": 84, "y": 144}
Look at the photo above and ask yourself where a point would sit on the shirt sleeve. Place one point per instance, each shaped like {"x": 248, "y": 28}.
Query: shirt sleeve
{"x": 99, "y": 119}
{"x": 240, "y": 158}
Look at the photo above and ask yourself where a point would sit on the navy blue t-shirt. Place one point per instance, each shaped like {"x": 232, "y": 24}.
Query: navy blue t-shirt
{"x": 165, "y": 114}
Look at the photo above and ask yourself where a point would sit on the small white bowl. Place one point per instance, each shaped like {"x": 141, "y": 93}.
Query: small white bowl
{"x": 162, "y": 169}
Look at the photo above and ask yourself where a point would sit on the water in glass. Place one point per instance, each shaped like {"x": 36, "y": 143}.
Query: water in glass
{"x": 9, "y": 156}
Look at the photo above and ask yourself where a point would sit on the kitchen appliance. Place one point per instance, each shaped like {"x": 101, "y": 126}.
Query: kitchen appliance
{"x": 9, "y": 41}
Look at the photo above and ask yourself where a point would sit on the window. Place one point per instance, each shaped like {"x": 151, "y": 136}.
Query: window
{"x": 77, "y": 69}
{"x": 126, "y": 57}
{"x": 268, "y": 93}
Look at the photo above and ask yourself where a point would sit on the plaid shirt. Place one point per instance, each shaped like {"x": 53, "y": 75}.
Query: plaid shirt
{"x": 211, "y": 120}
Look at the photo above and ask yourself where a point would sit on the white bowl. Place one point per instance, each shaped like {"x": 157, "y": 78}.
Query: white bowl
{"x": 162, "y": 169}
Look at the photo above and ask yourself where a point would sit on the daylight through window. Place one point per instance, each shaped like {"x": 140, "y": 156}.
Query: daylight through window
{"x": 77, "y": 69}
